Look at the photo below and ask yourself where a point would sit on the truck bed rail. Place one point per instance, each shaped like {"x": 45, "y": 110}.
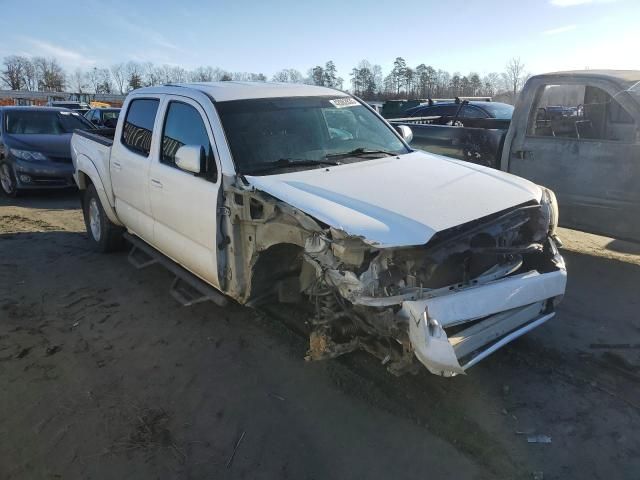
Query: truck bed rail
{"x": 103, "y": 136}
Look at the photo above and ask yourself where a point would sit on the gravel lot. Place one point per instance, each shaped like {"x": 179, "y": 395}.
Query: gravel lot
{"x": 103, "y": 375}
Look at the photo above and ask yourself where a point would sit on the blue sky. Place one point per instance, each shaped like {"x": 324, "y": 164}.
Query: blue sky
{"x": 266, "y": 36}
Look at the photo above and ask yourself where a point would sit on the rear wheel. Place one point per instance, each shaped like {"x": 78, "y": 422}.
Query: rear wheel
{"x": 8, "y": 180}
{"x": 105, "y": 236}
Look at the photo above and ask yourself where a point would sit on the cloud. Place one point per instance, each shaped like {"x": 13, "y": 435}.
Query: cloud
{"x": 556, "y": 31}
{"x": 66, "y": 56}
{"x": 574, "y": 3}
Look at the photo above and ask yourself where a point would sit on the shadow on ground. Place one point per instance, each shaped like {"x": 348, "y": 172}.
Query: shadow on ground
{"x": 45, "y": 199}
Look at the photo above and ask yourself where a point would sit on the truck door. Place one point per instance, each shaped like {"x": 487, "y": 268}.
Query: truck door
{"x": 129, "y": 166}
{"x": 184, "y": 204}
{"x": 582, "y": 142}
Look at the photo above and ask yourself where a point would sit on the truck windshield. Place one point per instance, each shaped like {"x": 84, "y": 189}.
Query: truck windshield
{"x": 43, "y": 122}
{"x": 303, "y": 132}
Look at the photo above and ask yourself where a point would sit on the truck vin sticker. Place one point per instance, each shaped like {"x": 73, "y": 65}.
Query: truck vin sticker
{"x": 344, "y": 102}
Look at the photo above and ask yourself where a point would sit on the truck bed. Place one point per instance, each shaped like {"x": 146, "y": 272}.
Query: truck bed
{"x": 91, "y": 152}
{"x": 103, "y": 136}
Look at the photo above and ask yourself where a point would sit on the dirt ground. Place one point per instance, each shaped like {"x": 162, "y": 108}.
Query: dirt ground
{"x": 103, "y": 375}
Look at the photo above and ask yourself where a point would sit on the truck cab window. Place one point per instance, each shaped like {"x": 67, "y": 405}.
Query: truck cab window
{"x": 138, "y": 125}
{"x": 183, "y": 125}
{"x": 580, "y": 112}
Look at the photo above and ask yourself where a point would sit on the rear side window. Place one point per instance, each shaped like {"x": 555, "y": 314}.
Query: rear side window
{"x": 472, "y": 112}
{"x": 440, "y": 111}
{"x": 138, "y": 125}
{"x": 183, "y": 125}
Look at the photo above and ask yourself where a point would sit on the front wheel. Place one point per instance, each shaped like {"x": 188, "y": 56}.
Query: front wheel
{"x": 105, "y": 236}
{"x": 8, "y": 180}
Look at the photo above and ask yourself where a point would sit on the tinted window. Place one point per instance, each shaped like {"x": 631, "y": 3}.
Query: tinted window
{"x": 138, "y": 126}
{"x": 472, "y": 112}
{"x": 107, "y": 114}
{"x": 184, "y": 126}
{"x": 45, "y": 122}
{"x": 503, "y": 111}
{"x": 442, "y": 110}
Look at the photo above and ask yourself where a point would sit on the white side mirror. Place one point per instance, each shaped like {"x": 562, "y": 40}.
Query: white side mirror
{"x": 405, "y": 132}
{"x": 189, "y": 158}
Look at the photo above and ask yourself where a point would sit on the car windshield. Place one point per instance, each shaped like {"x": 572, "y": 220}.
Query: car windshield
{"x": 41, "y": 122}
{"x": 304, "y": 130}
{"x": 502, "y": 111}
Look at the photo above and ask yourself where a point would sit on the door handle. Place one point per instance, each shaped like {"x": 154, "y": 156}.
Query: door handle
{"x": 155, "y": 183}
{"x": 116, "y": 166}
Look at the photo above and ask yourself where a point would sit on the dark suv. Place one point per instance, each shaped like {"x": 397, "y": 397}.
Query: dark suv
{"x": 35, "y": 149}
{"x": 468, "y": 110}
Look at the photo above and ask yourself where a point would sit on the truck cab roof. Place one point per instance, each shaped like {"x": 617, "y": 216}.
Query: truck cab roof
{"x": 226, "y": 91}
{"x": 621, "y": 77}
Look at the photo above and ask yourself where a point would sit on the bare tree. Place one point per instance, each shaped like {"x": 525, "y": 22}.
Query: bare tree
{"x": 514, "y": 76}
{"x": 30, "y": 76}
{"x": 133, "y": 74}
{"x": 248, "y": 77}
{"x": 202, "y": 74}
{"x": 104, "y": 84}
{"x": 51, "y": 76}
{"x": 289, "y": 75}
{"x": 14, "y": 72}
{"x": 93, "y": 79}
{"x": 78, "y": 81}
{"x": 177, "y": 75}
{"x": 119, "y": 76}
{"x": 491, "y": 83}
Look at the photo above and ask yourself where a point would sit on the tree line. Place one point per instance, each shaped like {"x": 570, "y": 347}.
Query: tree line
{"x": 366, "y": 80}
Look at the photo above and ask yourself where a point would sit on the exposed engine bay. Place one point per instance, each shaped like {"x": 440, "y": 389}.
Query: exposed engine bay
{"x": 366, "y": 297}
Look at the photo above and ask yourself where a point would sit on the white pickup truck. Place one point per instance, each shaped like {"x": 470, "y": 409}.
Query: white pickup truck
{"x": 294, "y": 193}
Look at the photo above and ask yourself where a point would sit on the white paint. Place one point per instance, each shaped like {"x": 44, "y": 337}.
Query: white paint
{"x": 399, "y": 201}
{"x": 226, "y": 91}
{"x": 493, "y": 297}
{"x": 433, "y": 348}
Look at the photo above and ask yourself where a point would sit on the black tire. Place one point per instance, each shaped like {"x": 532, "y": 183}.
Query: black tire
{"x": 8, "y": 183}
{"x": 104, "y": 235}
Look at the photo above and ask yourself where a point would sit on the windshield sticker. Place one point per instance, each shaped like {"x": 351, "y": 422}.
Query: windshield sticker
{"x": 344, "y": 102}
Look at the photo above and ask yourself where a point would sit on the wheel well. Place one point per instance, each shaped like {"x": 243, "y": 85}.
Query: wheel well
{"x": 274, "y": 264}
{"x": 84, "y": 181}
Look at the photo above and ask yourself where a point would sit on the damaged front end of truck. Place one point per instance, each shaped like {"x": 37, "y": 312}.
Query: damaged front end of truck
{"x": 448, "y": 303}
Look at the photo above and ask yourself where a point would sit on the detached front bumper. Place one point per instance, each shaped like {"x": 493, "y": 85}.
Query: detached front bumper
{"x": 43, "y": 174}
{"x": 453, "y": 331}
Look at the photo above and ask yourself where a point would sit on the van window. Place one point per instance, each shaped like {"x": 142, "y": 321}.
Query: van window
{"x": 138, "y": 125}
{"x": 580, "y": 112}
{"x": 183, "y": 125}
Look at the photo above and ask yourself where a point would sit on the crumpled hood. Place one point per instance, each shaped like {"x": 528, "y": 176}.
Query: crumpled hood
{"x": 392, "y": 202}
